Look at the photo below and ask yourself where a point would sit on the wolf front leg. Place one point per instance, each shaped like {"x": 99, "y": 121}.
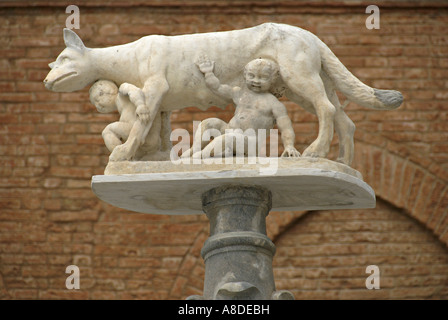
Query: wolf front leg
{"x": 153, "y": 90}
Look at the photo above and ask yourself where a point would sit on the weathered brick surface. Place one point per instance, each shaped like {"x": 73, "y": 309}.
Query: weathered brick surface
{"x": 50, "y": 146}
{"x": 324, "y": 255}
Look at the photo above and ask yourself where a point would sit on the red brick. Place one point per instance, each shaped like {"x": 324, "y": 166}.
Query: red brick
{"x": 7, "y": 86}
{"x": 37, "y": 75}
{"x": 423, "y": 199}
{"x": 30, "y": 86}
{"x": 406, "y": 179}
{"x": 16, "y": 97}
{"x": 12, "y": 75}
{"x": 74, "y": 216}
{"x": 415, "y": 188}
{"x": 75, "y": 128}
{"x": 377, "y": 168}
{"x": 389, "y": 168}
{"x": 442, "y": 226}
{"x": 93, "y": 139}
{"x": 413, "y": 293}
{"x": 35, "y": 42}
{"x": 378, "y": 73}
{"x": 38, "y": 161}
{"x": 26, "y": 294}
{"x": 440, "y": 207}
{"x": 49, "y": 107}
{"x": 79, "y": 194}
{"x": 54, "y": 118}
{"x": 70, "y": 172}
{"x": 32, "y": 63}
{"x": 444, "y": 236}
{"x": 139, "y": 262}
{"x": 64, "y": 294}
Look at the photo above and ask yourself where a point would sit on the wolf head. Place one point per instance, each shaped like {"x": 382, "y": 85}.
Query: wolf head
{"x": 72, "y": 69}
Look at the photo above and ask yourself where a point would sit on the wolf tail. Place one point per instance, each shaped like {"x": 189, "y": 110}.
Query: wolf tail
{"x": 353, "y": 88}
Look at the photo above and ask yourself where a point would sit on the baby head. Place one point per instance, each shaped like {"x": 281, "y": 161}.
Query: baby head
{"x": 260, "y": 74}
{"x": 103, "y": 95}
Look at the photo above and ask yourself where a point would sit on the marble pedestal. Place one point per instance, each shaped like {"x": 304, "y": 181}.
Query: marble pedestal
{"x": 236, "y": 199}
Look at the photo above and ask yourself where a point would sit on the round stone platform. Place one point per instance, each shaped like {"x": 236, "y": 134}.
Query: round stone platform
{"x": 296, "y": 184}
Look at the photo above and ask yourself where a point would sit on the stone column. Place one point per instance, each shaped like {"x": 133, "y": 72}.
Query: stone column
{"x": 238, "y": 254}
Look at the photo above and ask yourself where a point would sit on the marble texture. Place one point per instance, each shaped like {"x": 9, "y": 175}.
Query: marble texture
{"x": 256, "y": 110}
{"x": 166, "y": 188}
{"x": 107, "y": 97}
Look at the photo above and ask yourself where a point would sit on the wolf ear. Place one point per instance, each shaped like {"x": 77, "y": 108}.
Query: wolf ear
{"x": 72, "y": 40}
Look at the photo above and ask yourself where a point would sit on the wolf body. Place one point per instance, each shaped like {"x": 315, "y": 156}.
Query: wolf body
{"x": 164, "y": 67}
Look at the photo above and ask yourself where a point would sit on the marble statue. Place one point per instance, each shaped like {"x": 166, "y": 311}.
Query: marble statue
{"x": 256, "y": 109}
{"x": 164, "y": 69}
{"x": 149, "y": 78}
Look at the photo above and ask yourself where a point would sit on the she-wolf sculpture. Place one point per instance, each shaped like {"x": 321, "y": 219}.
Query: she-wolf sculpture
{"x": 164, "y": 67}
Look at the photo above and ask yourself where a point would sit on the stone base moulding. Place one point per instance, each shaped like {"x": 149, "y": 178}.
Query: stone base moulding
{"x": 236, "y": 199}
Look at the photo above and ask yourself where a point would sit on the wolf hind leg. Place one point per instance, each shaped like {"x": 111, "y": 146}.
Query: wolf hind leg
{"x": 345, "y": 129}
{"x": 344, "y": 126}
{"x": 307, "y": 86}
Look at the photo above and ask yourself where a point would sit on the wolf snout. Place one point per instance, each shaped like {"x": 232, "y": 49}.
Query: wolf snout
{"x": 48, "y": 84}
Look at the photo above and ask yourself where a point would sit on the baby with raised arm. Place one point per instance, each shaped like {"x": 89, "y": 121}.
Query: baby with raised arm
{"x": 256, "y": 108}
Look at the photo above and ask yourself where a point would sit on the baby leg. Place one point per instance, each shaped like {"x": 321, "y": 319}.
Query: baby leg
{"x": 116, "y": 134}
{"x": 207, "y": 124}
{"x": 226, "y": 145}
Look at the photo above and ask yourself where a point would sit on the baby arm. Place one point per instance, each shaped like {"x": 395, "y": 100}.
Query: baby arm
{"x": 206, "y": 66}
{"x": 134, "y": 93}
{"x": 285, "y": 125}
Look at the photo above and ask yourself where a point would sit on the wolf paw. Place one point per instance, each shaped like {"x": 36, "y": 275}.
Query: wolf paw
{"x": 314, "y": 151}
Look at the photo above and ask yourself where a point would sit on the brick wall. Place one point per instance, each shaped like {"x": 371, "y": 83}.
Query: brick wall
{"x": 324, "y": 255}
{"x": 51, "y": 145}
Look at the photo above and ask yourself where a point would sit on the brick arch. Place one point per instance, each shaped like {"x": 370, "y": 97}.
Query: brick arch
{"x": 405, "y": 180}
{"x": 325, "y": 254}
